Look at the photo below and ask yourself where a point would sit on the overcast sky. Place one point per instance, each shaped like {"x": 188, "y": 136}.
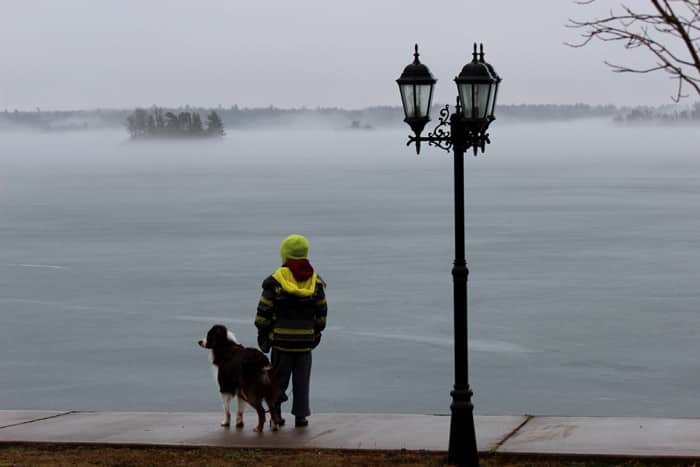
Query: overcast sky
{"x": 72, "y": 54}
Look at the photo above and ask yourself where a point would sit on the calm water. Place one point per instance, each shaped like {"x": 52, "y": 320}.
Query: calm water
{"x": 583, "y": 245}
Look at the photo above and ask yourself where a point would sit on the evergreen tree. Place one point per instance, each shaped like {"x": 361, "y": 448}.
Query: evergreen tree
{"x": 215, "y": 126}
{"x": 184, "y": 122}
{"x": 157, "y": 122}
{"x": 136, "y": 123}
{"x": 151, "y": 126}
{"x": 196, "y": 127}
{"x": 160, "y": 121}
{"x": 172, "y": 124}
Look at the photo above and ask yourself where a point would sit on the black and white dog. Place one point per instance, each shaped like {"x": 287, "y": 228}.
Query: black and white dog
{"x": 244, "y": 372}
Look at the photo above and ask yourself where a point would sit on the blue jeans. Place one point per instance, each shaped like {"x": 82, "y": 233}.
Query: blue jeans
{"x": 296, "y": 365}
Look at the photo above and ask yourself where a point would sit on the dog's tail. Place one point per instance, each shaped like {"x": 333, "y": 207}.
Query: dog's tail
{"x": 265, "y": 375}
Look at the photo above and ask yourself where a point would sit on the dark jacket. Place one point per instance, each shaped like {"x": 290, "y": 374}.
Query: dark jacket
{"x": 291, "y": 312}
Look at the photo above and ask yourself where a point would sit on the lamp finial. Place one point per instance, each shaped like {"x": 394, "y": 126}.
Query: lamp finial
{"x": 415, "y": 55}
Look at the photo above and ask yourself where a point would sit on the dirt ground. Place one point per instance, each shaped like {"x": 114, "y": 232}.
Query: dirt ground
{"x": 72, "y": 455}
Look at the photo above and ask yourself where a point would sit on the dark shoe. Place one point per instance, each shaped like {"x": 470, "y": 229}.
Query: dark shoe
{"x": 281, "y": 421}
{"x": 301, "y": 422}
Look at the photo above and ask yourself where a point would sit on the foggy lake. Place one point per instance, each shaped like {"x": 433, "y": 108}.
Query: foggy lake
{"x": 582, "y": 244}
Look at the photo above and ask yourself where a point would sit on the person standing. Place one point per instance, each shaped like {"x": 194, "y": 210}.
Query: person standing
{"x": 290, "y": 317}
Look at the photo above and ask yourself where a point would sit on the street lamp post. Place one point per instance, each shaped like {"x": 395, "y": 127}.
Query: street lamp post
{"x": 477, "y": 86}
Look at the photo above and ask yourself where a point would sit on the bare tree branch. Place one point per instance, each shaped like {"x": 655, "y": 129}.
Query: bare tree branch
{"x": 668, "y": 31}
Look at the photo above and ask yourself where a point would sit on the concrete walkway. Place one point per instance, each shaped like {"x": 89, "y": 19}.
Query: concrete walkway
{"x": 653, "y": 437}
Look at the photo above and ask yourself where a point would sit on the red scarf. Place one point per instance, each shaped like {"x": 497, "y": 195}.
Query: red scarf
{"x": 301, "y": 268}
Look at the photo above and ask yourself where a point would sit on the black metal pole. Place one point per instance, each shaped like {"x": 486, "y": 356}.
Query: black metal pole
{"x": 462, "y": 448}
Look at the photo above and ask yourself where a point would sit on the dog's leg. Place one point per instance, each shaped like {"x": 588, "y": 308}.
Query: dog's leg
{"x": 274, "y": 415}
{"x": 226, "y": 399}
{"x": 257, "y": 405}
{"x": 274, "y": 424}
{"x": 239, "y": 413}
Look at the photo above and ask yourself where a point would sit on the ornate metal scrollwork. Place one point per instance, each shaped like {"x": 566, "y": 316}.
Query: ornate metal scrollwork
{"x": 440, "y": 136}
{"x": 455, "y": 132}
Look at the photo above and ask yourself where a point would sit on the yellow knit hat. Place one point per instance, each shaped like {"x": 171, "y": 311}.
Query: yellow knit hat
{"x": 294, "y": 247}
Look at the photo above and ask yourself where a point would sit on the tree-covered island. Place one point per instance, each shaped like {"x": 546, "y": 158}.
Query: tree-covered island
{"x": 159, "y": 123}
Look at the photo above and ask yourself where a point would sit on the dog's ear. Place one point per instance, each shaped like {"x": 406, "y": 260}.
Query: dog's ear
{"x": 221, "y": 332}
{"x": 216, "y": 335}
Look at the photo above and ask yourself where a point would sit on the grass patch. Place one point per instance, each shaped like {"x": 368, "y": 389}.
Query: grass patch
{"x": 81, "y": 455}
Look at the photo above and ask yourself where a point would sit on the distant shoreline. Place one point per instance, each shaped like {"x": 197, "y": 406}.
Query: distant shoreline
{"x": 234, "y": 117}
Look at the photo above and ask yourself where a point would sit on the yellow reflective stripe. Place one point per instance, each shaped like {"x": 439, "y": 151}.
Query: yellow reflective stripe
{"x": 262, "y": 321}
{"x": 266, "y": 301}
{"x": 322, "y": 319}
{"x": 321, "y": 302}
{"x": 293, "y": 331}
{"x": 285, "y": 349}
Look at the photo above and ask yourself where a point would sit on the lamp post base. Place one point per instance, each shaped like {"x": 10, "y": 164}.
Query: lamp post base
{"x": 462, "y": 448}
